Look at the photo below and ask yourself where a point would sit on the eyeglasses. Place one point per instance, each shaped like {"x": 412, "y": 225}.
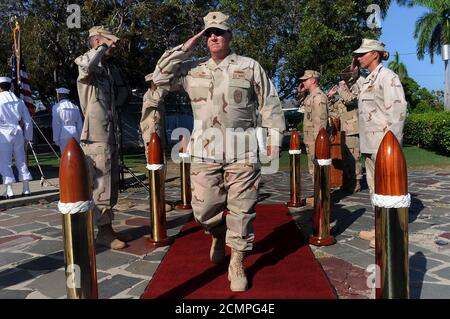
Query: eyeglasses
{"x": 217, "y": 32}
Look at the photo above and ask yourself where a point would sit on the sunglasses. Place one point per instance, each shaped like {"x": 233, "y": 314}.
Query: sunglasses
{"x": 359, "y": 55}
{"x": 215, "y": 31}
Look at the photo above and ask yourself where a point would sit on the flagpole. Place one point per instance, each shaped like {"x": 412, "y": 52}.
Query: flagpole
{"x": 15, "y": 28}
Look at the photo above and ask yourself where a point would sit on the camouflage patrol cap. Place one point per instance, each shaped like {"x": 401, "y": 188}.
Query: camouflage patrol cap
{"x": 102, "y": 31}
{"x": 310, "y": 74}
{"x": 369, "y": 45}
{"x": 149, "y": 78}
{"x": 216, "y": 20}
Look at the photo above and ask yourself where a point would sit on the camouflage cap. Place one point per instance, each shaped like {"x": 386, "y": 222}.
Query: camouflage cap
{"x": 102, "y": 31}
{"x": 369, "y": 45}
{"x": 216, "y": 20}
{"x": 310, "y": 74}
{"x": 149, "y": 77}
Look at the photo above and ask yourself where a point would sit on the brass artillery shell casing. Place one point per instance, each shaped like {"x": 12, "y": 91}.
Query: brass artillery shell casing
{"x": 295, "y": 170}
{"x": 78, "y": 228}
{"x": 322, "y": 205}
{"x": 157, "y": 193}
{"x": 391, "y": 224}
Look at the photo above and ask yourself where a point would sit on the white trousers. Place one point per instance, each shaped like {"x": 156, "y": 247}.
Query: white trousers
{"x": 13, "y": 144}
{"x": 63, "y": 143}
{"x": 67, "y": 133}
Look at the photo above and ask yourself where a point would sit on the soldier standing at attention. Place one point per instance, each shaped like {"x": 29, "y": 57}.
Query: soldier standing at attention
{"x": 227, "y": 92}
{"x": 102, "y": 90}
{"x": 66, "y": 119}
{"x": 315, "y": 116}
{"x": 382, "y": 108}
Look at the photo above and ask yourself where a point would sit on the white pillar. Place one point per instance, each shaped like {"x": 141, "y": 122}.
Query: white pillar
{"x": 446, "y": 58}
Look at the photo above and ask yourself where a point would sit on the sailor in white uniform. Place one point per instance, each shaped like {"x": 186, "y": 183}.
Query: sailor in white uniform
{"x": 15, "y": 129}
{"x": 66, "y": 119}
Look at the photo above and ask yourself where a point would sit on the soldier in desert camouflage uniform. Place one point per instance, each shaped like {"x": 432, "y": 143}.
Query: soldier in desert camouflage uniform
{"x": 343, "y": 105}
{"x": 153, "y": 118}
{"x": 227, "y": 91}
{"x": 153, "y": 113}
{"x": 102, "y": 90}
{"x": 316, "y": 113}
{"x": 382, "y": 107}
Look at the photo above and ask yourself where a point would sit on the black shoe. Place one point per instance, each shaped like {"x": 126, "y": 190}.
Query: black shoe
{"x": 28, "y": 194}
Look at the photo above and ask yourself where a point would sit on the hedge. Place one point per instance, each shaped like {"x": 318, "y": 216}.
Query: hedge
{"x": 429, "y": 130}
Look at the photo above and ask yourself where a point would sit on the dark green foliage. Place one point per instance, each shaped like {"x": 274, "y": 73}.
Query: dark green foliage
{"x": 429, "y": 130}
{"x": 419, "y": 99}
{"x": 285, "y": 36}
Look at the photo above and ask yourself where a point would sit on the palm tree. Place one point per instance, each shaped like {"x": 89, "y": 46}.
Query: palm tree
{"x": 433, "y": 28}
{"x": 398, "y": 67}
{"x": 432, "y": 33}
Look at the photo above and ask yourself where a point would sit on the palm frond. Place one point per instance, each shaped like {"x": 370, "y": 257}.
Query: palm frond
{"x": 424, "y": 31}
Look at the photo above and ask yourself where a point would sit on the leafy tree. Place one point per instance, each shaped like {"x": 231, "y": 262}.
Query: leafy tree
{"x": 146, "y": 29}
{"x": 432, "y": 28}
{"x": 285, "y": 36}
{"x": 398, "y": 67}
{"x": 419, "y": 99}
{"x": 290, "y": 36}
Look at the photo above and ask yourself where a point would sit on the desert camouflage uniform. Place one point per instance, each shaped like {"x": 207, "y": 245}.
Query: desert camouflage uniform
{"x": 102, "y": 89}
{"x": 344, "y": 107}
{"x": 382, "y": 107}
{"x": 153, "y": 116}
{"x": 229, "y": 95}
{"x": 315, "y": 118}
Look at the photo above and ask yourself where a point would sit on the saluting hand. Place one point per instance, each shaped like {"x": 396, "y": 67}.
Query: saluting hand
{"x": 332, "y": 91}
{"x": 343, "y": 86}
{"x": 355, "y": 64}
{"x": 192, "y": 42}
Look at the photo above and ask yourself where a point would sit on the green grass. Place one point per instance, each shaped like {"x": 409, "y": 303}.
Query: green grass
{"x": 136, "y": 162}
{"x": 48, "y": 159}
{"x": 285, "y": 164}
{"x": 415, "y": 158}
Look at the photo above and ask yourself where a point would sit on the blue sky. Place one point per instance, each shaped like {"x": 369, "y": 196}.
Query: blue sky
{"x": 398, "y": 35}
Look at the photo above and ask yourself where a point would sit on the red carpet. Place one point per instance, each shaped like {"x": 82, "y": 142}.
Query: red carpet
{"x": 281, "y": 265}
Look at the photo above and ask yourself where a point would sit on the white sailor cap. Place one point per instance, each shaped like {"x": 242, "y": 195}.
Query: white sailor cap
{"x": 62, "y": 91}
{"x": 5, "y": 79}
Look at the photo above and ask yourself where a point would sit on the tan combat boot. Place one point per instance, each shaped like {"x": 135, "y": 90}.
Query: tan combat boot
{"x": 217, "y": 251}
{"x": 236, "y": 272}
{"x": 108, "y": 238}
{"x": 372, "y": 243}
{"x": 367, "y": 234}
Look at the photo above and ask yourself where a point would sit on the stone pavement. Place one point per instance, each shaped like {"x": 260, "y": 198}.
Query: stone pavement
{"x": 32, "y": 260}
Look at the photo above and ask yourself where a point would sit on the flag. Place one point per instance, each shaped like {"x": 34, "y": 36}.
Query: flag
{"x": 20, "y": 83}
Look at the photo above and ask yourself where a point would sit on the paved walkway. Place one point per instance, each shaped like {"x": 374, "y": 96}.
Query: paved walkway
{"x": 32, "y": 260}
